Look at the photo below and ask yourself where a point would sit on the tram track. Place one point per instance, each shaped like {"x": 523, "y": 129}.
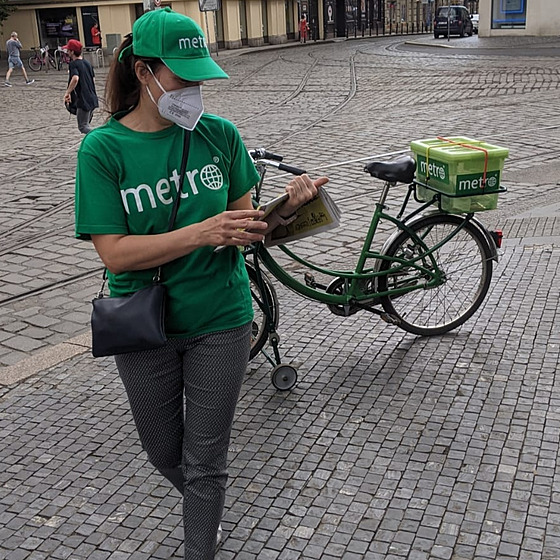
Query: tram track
{"x": 286, "y": 100}
{"x": 52, "y": 286}
{"x": 26, "y": 239}
{"x": 8, "y": 245}
{"x": 6, "y": 234}
{"x": 350, "y": 95}
{"x": 236, "y": 84}
{"x": 19, "y": 237}
{"x": 68, "y": 281}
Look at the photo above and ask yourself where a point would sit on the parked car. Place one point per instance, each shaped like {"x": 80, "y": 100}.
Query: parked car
{"x": 474, "y": 19}
{"x": 459, "y": 21}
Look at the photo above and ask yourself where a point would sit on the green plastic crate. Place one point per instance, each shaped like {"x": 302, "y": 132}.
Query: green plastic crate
{"x": 458, "y": 171}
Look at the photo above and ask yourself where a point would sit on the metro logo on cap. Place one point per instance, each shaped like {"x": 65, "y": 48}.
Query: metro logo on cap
{"x": 178, "y": 41}
{"x": 188, "y": 43}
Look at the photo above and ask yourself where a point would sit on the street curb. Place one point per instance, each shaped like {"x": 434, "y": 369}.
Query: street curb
{"x": 45, "y": 360}
{"x": 482, "y": 47}
{"x": 418, "y": 44}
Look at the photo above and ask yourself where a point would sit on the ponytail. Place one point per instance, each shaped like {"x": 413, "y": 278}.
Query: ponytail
{"x": 122, "y": 91}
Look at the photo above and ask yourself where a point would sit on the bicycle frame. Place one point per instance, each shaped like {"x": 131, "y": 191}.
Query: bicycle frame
{"x": 425, "y": 264}
{"x": 42, "y": 57}
{"x": 409, "y": 260}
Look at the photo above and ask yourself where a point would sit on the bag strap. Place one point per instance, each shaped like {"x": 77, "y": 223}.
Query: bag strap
{"x": 186, "y": 146}
{"x": 182, "y": 173}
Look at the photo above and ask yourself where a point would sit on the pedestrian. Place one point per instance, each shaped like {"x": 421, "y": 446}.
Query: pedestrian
{"x": 13, "y": 50}
{"x": 81, "y": 81}
{"x": 95, "y": 35}
{"x": 303, "y": 29}
{"x": 183, "y": 395}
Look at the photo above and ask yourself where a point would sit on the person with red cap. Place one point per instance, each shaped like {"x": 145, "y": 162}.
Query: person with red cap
{"x": 81, "y": 86}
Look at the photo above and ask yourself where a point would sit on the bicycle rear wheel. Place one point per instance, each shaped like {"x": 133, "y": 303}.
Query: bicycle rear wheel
{"x": 34, "y": 63}
{"x": 466, "y": 263}
{"x": 264, "y": 310}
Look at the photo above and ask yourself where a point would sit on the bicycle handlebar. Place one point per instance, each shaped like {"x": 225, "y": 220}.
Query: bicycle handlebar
{"x": 261, "y": 153}
{"x": 291, "y": 169}
{"x": 268, "y": 158}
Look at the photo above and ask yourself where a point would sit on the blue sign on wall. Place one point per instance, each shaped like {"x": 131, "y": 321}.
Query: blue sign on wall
{"x": 513, "y": 6}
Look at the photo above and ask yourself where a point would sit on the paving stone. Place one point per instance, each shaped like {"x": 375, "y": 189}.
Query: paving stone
{"x": 391, "y": 446}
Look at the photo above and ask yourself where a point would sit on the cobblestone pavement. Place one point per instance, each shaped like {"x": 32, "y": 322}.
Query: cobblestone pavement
{"x": 391, "y": 446}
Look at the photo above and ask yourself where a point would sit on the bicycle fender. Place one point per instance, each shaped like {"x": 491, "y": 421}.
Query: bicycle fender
{"x": 490, "y": 241}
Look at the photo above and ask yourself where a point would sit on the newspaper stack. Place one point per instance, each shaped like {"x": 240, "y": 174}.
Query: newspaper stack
{"x": 316, "y": 216}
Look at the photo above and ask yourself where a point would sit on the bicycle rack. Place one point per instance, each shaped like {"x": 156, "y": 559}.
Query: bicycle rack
{"x": 95, "y": 56}
{"x": 100, "y": 58}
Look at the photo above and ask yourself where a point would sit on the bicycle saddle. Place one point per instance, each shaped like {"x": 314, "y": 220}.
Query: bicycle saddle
{"x": 399, "y": 171}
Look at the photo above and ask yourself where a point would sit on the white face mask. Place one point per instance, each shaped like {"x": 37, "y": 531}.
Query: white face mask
{"x": 182, "y": 106}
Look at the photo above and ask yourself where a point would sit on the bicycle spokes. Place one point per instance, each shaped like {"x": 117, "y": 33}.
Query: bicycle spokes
{"x": 460, "y": 267}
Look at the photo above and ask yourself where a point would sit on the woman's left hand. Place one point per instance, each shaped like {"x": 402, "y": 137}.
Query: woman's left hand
{"x": 300, "y": 189}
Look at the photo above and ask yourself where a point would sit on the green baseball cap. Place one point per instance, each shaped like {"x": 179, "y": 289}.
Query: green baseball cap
{"x": 178, "y": 41}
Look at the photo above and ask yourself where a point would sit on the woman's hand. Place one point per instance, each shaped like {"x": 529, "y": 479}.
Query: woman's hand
{"x": 300, "y": 189}
{"x": 232, "y": 228}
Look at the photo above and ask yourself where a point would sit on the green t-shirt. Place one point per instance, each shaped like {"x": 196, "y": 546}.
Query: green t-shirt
{"x": 125, "y": 184}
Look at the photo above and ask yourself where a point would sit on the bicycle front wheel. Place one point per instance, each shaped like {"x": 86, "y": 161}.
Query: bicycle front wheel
{"x": 34, "y": 63}
{"x": 265, "y": 309}
{"x": 465, "y": 262}
{"x": 52, "y": 62}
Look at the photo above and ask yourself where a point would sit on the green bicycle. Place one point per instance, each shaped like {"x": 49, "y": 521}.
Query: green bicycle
{"x": 430, "y": 276}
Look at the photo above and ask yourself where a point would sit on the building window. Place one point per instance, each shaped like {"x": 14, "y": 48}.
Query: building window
{"x": 56, "y": 26}
{"x": 90, "y": 18}
{"x": 509, "y": 14}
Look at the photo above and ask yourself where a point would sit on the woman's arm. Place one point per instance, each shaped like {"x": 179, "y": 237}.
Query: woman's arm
{"x": 239, "y": 225}
{"x": 121, "y": 253}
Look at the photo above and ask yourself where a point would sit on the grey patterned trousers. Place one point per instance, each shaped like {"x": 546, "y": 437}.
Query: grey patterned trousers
{"x": 183, "y": 399}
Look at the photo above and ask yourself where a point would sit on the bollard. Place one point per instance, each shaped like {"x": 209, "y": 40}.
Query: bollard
{"x": 100, "y": 58}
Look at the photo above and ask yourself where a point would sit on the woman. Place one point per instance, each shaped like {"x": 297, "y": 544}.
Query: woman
{"x": 183, "y": 395}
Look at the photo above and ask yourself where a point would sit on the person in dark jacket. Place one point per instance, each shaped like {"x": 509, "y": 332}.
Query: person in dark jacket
{"x": 81, "y": 82}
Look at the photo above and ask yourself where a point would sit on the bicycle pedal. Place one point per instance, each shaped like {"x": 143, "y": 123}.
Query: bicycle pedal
{"x": 391, "y": 319}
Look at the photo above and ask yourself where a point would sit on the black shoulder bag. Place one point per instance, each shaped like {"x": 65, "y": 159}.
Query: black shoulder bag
{"x": 137, "y": 322}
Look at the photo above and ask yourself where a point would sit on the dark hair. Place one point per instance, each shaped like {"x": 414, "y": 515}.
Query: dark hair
{"x": 122, "y": 91}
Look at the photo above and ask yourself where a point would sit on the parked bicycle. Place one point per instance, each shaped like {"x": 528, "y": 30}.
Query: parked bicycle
{"x": 430, "y": 276}
{"x": 42, "y": 57}
{"x": 61, "y": 57}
